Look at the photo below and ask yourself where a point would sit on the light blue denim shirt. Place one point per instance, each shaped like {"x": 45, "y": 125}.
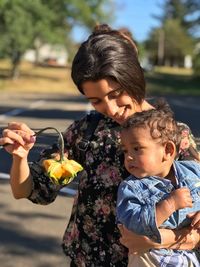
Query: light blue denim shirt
{"x": 137, "y": 199}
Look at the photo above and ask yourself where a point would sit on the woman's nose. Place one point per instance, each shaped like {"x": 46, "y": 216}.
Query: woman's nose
{"x": 111, "y": 109}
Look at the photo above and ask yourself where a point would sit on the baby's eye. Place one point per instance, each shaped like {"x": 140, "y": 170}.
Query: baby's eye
{"x": 137, "y": 148}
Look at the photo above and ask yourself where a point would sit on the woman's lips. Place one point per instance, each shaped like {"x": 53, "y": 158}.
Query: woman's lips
{"x": 121, "y": 118}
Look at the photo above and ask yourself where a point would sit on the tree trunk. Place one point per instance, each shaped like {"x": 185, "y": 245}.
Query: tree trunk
{"x": 37, "y": 46}
{"x": 161, "y": 47}
{"x": 16, "y": 58}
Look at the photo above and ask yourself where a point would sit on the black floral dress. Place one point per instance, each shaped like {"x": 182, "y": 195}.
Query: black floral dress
{"x": 92, "y": 237}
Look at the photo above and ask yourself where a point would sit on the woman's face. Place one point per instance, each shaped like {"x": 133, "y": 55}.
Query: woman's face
{"x": 108, "y": 98}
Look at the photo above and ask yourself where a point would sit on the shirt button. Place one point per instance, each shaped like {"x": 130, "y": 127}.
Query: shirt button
{"x": 168, "y": 190}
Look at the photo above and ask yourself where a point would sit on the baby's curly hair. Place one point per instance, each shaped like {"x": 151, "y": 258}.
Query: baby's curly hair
{"x": 160, "y": 121}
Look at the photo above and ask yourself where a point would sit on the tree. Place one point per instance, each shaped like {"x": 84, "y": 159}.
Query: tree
{"x": 186, "y": 12}
{"x": 172, "y": 43}
{"x": 25, "y": 24}
{"x": 19, "y": 22}
{"x": 175, "y": 38}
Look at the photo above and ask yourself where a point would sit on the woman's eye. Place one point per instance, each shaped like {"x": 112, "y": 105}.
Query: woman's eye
{"x": 116, "y": 93}
{"x": 95, "y": 102}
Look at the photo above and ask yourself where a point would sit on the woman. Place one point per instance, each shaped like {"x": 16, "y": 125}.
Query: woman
{"x": 106, "y": 70}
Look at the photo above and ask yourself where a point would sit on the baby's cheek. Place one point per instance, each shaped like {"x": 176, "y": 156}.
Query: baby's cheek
{"x": 126, "y": 165}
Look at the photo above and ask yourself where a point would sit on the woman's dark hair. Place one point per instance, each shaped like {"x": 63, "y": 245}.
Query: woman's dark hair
{"x": 111, "y": 54}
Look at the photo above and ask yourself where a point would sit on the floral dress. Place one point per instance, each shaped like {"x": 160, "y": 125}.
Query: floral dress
{"x": 92, "y": 237}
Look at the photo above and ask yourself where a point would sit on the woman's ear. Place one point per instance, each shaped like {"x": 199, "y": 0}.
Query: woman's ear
{"x": 170, "y": 150}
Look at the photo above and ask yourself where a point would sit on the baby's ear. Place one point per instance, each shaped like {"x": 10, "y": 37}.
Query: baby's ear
{"x": 170, "y": 150}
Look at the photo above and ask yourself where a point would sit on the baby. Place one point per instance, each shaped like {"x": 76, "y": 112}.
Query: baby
{"x": 161, "y": 191}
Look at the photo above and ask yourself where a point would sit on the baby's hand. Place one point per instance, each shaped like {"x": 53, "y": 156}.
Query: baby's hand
{"x": 180, "y": 198}
{"x": 195, "y": 217}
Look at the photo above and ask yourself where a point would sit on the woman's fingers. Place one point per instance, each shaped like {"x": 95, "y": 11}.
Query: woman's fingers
{"x": 195, "y": 217}
{"x": 19, "y": 132}
{"x": 5, "y": 141}
{"x": 17, "y": 138}
{"x": 11, "y": 136}
{"x": 20, "y": 126}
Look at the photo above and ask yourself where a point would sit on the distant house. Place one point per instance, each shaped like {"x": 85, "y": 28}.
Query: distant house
{"x": 52, "y": 55}
{"x": 188, "y": 62}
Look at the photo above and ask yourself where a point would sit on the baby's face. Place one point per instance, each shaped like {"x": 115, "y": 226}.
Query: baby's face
{"x": 143, "y": 155}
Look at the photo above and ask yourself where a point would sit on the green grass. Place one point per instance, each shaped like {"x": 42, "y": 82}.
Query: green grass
{"x": 32, "y": 78}
{"x": 172, "y": 81}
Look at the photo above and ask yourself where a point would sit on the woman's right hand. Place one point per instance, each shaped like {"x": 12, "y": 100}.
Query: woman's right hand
{"x": 185, "y": 239}
{"x": 134, "y": 242}
{"x": 18, "y": 139}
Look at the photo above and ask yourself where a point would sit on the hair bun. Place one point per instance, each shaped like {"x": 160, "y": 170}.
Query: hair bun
{"x": 101, "y": 28}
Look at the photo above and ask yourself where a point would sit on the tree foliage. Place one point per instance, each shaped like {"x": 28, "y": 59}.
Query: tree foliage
{"x": 22, "y": 23}
{"x": 176, "y": 36}
{"x": 187, "y": 12}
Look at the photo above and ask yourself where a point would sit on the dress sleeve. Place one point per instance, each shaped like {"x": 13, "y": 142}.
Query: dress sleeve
{"x": 189, "y": 145}
{"x": 44, "y": 191}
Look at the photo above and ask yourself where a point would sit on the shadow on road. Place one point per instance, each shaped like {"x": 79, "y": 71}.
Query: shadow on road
{"x": 31, "y": 235}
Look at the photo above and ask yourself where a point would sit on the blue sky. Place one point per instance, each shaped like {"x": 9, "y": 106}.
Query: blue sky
{"x": 136, "y": 15}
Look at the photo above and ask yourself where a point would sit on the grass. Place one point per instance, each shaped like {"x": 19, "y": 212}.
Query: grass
{"x": 172, "y": 81}
{"x": 37, "y": 79}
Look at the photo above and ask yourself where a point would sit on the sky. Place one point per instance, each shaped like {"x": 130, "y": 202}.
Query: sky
{"x": 136, "y": 15}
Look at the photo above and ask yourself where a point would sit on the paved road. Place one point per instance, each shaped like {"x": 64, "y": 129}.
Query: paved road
{"x": 30, "y": 235}
{"x": 40, "y": 111}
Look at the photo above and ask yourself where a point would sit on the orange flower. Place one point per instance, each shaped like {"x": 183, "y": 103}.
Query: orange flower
{"x": 61, "y": 172}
